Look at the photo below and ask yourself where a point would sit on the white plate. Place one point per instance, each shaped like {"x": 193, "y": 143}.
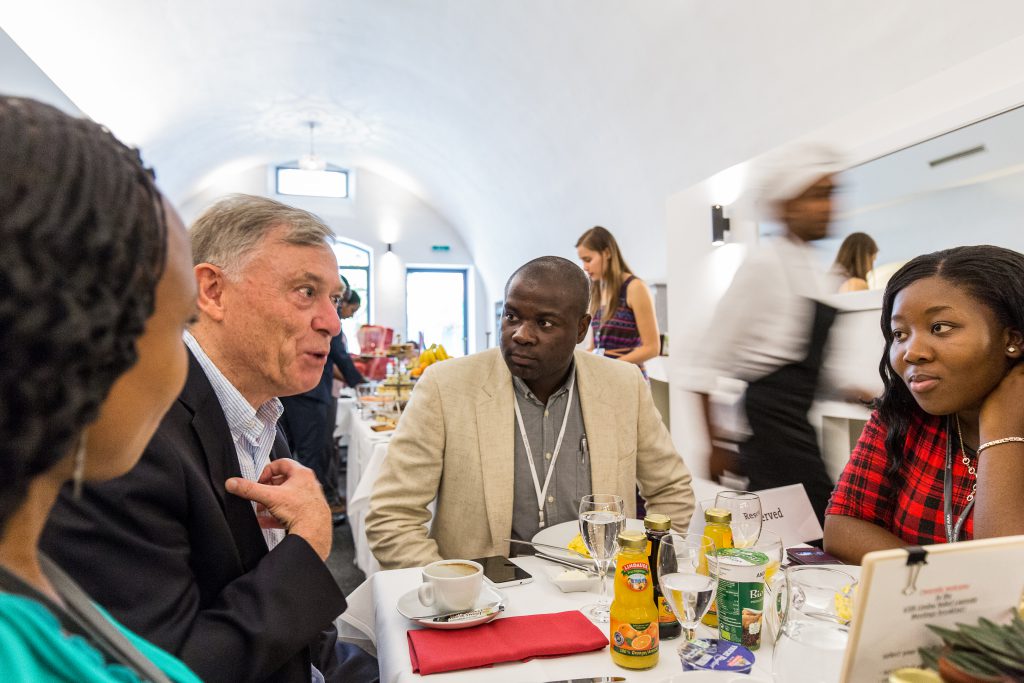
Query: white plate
{"x": 409, "y": 606}
{"x": 560, "y": 535}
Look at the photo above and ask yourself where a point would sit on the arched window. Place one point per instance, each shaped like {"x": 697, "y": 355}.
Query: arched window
{"x": 354, "y": 264}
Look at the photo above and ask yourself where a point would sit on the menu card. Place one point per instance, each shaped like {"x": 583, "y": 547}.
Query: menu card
{"x": 903, "y": 589}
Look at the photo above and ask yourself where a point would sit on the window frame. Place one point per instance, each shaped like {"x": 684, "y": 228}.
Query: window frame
{"x": 464, "y": 271}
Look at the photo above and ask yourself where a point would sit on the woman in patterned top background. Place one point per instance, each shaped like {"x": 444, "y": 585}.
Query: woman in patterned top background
{"x": 622, "y": 308}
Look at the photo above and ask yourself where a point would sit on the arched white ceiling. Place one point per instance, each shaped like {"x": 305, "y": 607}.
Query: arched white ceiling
{"x": 522, "y": 121}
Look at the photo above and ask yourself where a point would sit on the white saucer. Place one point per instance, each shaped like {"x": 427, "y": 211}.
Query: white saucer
{"x": 410, "y": 607}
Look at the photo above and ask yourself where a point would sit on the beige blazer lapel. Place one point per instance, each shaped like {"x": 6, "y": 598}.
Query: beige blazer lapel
{"x": 599, "y": 419}
{"x": 494, "y": 423}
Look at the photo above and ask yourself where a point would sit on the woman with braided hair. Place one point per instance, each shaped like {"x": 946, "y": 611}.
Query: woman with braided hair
{"x": 96, "y": 287}
{"x": 942, "y": 458}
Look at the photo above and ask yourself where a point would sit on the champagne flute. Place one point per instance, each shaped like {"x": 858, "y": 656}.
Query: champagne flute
{"x": 683, "y": 576}
{"x": 602, "y": 518}
{"x": 746, "y": 515}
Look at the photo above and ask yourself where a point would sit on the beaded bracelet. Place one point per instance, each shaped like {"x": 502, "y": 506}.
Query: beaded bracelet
{"x": 996, "y": 442}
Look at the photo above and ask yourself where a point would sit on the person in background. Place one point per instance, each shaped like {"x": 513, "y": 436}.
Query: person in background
{"x": 214, "y": 545}
{"x": 345, "y": 369}
{"x": 942, "y": 457}
{"x": 93, "y": 358}
{"x": 770, "y": 330}
{"x": 478, "y": 428}
{"x": 623, "y": 324}
{"x": 855, "y": 259}
{"x": 308, "y": 419}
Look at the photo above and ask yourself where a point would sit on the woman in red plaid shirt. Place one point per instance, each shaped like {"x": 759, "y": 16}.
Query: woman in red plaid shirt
{"x": 942, "y": 458}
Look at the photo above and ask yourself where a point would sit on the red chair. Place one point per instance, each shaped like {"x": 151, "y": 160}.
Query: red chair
{"x": 373, "y": 340}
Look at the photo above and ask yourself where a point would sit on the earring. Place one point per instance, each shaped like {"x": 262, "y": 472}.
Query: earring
{"x": 1011, "y": 349}
{"x": 78, "y": 474}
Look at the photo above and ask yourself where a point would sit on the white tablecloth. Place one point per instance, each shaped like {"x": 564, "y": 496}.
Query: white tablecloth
{"x": 372, "y": 610}
{"x": 366, "y": 452}
{"x": 343, "y": 423}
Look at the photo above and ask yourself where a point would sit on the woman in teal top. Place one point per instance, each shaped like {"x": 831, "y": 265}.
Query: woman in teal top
{"x": 96, "y": 287}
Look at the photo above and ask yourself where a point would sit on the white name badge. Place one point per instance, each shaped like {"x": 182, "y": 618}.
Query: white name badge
{"x": 786, "y": 510}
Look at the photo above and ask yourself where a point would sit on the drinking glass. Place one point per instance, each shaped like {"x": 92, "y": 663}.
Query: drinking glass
{"x": 770, "y": 543}
{"x": 746, "y": 515}
{"x": 364, "y": 395}
{"x": 684, "y": 580}
{"x": 602, "y": 518}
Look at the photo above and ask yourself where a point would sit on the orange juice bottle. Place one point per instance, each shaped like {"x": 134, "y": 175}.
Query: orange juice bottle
{"x": 634, "y": 616}
{"x": 716, "y": 527}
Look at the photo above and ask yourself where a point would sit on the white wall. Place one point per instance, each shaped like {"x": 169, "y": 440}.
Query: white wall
{"x": 20, "y": 76}
{"x": 379, "y": 212}
{"x": 946, "y": 99}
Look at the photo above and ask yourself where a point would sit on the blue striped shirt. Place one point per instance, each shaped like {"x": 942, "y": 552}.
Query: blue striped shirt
{"x": 253, "y": 430}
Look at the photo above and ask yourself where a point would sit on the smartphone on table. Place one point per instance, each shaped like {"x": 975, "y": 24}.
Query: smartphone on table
{"x": 501, "y": 571}
{"x": 801, "y": 555}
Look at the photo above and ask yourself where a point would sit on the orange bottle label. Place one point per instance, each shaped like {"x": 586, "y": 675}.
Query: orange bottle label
{"x": 637, "y": 575}
{"x": 634, "y": 640}
{"x": 665, "y": 615}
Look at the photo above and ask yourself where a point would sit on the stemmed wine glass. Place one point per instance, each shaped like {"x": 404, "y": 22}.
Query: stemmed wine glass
{"x": 683, "y": 576}
{"x": 602, "y": 518}
{"x": 746, "y": 515}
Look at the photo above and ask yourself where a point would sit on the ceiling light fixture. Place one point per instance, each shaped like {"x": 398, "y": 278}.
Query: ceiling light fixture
{"x": 311, "y": 162}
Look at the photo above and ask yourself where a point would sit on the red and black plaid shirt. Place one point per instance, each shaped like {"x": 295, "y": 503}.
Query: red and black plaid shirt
{"x": 911, "y": 506}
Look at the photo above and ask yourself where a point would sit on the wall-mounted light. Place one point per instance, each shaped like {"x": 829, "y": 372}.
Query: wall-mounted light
{"x": 719, "y": 225}
{"x": 389, "y": 248}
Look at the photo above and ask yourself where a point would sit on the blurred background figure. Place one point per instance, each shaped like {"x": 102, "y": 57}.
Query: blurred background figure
{"x": 770, "y": 330}
{"x": 624, "y": 325}
{"x": 855, "y": 259}
{"x": 93, "y": 358}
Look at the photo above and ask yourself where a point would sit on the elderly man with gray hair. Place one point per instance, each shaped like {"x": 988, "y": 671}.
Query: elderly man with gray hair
{"x": 213, "y": 547}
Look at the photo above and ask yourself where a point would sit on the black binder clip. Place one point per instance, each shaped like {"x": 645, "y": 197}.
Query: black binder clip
{"x": 916, "y": 558}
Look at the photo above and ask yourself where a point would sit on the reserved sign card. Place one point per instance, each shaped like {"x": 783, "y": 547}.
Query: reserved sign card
{"x": 786, "y": 510}
{"x": 943, "y": 585}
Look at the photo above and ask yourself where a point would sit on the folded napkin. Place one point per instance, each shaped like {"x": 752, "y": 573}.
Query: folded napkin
{"x": 509, "y": 639}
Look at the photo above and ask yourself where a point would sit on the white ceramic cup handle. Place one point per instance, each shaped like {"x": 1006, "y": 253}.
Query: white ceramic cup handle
{"x": 426, "y": 593}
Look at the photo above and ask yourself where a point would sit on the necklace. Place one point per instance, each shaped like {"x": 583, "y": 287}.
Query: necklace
{"x": 971, "y": 469}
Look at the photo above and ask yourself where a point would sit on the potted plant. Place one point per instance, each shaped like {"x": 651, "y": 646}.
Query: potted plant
{"x": 988, "y": 652}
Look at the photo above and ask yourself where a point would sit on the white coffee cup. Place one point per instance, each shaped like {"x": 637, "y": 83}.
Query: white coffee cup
{"x": 451, "y": 585}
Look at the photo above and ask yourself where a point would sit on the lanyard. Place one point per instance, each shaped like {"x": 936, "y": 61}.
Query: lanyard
{"x": 543, "y": 492}
{"x": 952, "y": 530}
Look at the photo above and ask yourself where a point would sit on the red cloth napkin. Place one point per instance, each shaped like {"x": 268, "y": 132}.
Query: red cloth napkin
{"x": 509, "y": 639}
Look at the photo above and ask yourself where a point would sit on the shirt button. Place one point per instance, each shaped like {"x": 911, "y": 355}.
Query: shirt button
{"x": 547, "y": 456}
{"x": 551, "y": 499}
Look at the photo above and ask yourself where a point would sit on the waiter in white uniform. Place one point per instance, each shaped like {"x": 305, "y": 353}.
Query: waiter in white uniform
{"x": 770, "y": 331}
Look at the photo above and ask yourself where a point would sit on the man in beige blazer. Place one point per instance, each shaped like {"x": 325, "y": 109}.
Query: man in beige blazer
{"x": 456, "y": 441}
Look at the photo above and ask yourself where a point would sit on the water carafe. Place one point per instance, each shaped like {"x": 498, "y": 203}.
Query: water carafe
{"x": 812, "y": 615}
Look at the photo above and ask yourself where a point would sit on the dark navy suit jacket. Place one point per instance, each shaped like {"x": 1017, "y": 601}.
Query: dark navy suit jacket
{"x": 183, "y": 563}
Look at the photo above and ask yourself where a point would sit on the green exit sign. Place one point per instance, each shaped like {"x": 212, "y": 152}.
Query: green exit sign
{"x": 440, "y": 247}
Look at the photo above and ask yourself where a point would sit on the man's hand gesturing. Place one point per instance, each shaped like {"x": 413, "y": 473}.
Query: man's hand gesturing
{"x": 291, "y": 494}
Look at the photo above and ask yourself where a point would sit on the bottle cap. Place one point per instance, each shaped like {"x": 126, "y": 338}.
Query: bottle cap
{"x": 632, "y": 540}
{"x": 656, "y": 522}
{"x": 717, "y": 516}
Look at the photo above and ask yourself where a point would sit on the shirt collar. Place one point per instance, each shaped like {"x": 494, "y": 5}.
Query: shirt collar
{"x": 522, "y": 390}
{"x": 243, "y": 420}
